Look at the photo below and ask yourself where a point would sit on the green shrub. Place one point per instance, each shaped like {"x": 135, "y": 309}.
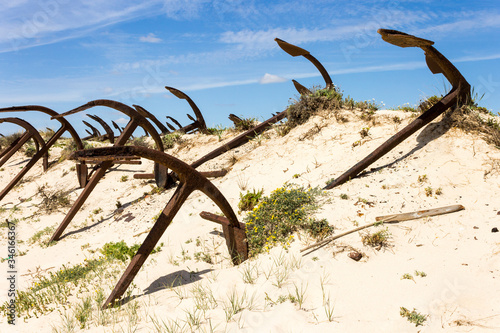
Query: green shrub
{"x": 309, "y": 105}
{"x": 30, "y": 150}
{"x": 245, "y": 124}
{"x": 279, "y": 215}
{"x": 412, "y": 316}
{"x": 169, "y": 140}
{"x": 249, "y": 200}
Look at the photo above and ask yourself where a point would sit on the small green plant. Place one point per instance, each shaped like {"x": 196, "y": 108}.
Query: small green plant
{"x": 203, "y": 256}
{"x": 121, "y": 251}
{"x": 344, "y": 196}
{"x": 38, "y": 237}
{"x": 422, "y": 178}
{"x": 428, "y": 191}
{"x": 124, "y": 178}
{"x": 365, "y": 131}
{"x": 97, "y": 211}
{"x": 421, "y": 274}
{"x": 427, "y": 103}
{"x": 377, "y": 239}
{"x": 169, "y": 140}
{"x": 30, "y": 150}
{"x": 249, "y": 200}
{"x": 52, "y": 200}
{"x": 407, "y": 276}
{"x": 413, "y": 316}
{"x": 439, "y": 191}
{"x": 245, "y": 124}
{"x": 281, "y": 214}
{"x": 297, "y": 175}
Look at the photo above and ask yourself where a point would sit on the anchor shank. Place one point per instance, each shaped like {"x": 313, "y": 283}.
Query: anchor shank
{"x": 161, "y": 224}
{"x": 431, "y": 114}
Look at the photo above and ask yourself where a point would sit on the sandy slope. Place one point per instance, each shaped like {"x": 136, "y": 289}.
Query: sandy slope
{"x": 458, "y": 252}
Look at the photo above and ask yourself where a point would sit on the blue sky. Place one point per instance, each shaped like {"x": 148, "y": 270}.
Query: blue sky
{"x": 62, "y": 54}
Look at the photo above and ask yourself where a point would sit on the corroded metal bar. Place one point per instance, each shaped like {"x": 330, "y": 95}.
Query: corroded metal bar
{"x": 109, "y": 132}
{"x": 92, "y": 161}
{"x": 437, "y": 63}
{"x": 296, "y": 51}
{"x": 31, "y": 133}
{"x": 214, "y": 173}
{"x": 117, "y": 127}
{"x": 146, "y": 114}
{"x": 240, "y": 139}
{"x": 200, "y": 121}
{"x": 189, "y": 181}
{"x": 95, "y": 132}
{"x": 81, "y": 168}
{"x": 161, "y": 173}
{"x": 175, "y": 121}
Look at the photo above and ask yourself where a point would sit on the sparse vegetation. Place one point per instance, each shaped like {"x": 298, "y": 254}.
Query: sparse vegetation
{"x": 413, "y": 316}
{"x": 52, "y": 200}
{"x": 245, "y": 124}
{"x": 378, "y": 239}
{"x": 169, "y": 140}
{"x": 124, "y": 178}
{"x": 279, "y": 215}
{"x": 55, "y": 288}
{"x": 249, "y": 200}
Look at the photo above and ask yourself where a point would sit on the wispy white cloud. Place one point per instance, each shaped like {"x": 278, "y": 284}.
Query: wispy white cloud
{"x": 271, "y": 78}
{"x": 150, "y": 38}
{"x": 26, "y": 24}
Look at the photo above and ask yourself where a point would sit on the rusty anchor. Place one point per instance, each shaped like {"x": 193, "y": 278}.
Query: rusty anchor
{"x": 437, "y": 63}
{"x": 31, "y": 133}
{"x": 109, "y": 132}
{"x": 296, "y": 51}
{"x": 198, "y": 123}
{"x": 162, "y": 178}
{"x": 81, "y": 168}
{"x": 190, "y": 180}
{"x": 95, "y": 132}
{"x": 120, "y": 129}
{"x": 146, "y": 114}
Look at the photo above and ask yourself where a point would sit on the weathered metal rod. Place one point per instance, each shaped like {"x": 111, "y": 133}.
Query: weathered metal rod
{"x": 81, "y": 168}
{"x": 31, "y": 133}
{"x": 240, "y": 139}
{"x": 295, "y": 51}
{"x": 109, "y": 132}
{"x": 437, "y": 63}
{"x": 200, "y": 121}
{"x": 146, "y": 114}
{"x": 189, "y": 181}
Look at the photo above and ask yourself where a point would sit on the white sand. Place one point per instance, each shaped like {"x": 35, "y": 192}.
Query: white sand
{"x": 458, "y": 252}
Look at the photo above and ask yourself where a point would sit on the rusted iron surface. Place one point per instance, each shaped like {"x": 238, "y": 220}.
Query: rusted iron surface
{"x": 189, "y": 181}
{"x": 95, "y": 132}
{"x": 120, "y": 129}
{"x": 31, "y": 133}
{"x": 175, "y": 122}
{"x": 81, "y": 168}
{"x": 240, "y": 139}
{"x": 109, "y": 132}
{"x": 199, "y": 123}
{"x": 161, "y": 172}
{"x": 301, "y": 89}
{"x": 214, "y": 173}
{"x": 235, "y": 119}
{"x": 296, "y": 51}
{"x": 146, "y": 114}
{"x": 437, "y": 63}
